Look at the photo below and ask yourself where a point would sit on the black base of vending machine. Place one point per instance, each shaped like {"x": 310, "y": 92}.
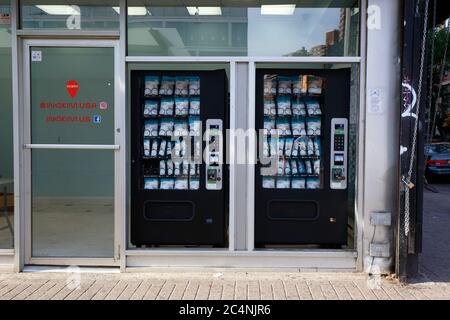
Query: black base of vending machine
{"x": 301, "y": 183}
{"x": 175, "y": 200}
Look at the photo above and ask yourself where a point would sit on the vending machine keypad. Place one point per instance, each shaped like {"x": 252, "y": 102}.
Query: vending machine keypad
{"x": 214, "y": 147}
{"x": 338, "y": 165}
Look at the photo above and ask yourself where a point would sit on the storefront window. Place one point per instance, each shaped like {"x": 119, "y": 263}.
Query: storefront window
{"x": 6, "y": 130}
{"x": 71, "y": 14}
{"x": 248, "y": 28}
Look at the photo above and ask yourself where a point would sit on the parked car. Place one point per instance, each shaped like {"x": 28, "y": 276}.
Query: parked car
{"x": 438, "y": 160}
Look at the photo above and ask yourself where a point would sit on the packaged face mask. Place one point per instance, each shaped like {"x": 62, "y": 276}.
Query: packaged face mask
{"x": 194, "y": 126}
{"x": 295, "y": 147}
{"x": 310, "y": 147}
{"x": 166, "y": 108}
{"x": 180, "y": 127}
{"x": 298, "y": 85}
{"x": 194, "y": 86}
{"x": 298, "y": 183}
{"x": 176, "y": 150}
{"x": 298, "y": 108}
{"x": 270, "y": 84}
{"x": 284, "y": 105}
{"x": 302, "y": 146}
{"x": 281, "y": 166}
{"x": 298, "y": 126}
{"x": 313, "y": 126}
{"x": 273, "y": 147}
{"x": 181, "y": 86}
{"x": 283, "y": 127}
{"x": 281, "y": 142}
{"x": 268, "y": 182}
{"x": 308, "y": 167}
{"x": 197, "y": 147}
{"x": 151, "y": 128}
{"x": 313, "y": 107}
{"x": 194, "y": 106}
{"x": 162, "y": 148}
{"x": 154, "y": 151}
{"x": 162, "y": 168}
{"x": 194, "y": 183}
{"x": 167, "y": 183}
{"x": 294, "y": 167}
{"x": 316, "y": 167}
{"x": 181, "y": 107}
{"x": 315, "y": 85}
{"x": 166, "y": 127}
{"x": 284, "y": 85}
{"x": 183, "y": 146}
{"x": 146, "y": 147}
{"x": 151, "y": 108}
{"x": 301, "y": 167}
{"x": 317, "y": 145}
{"x": 176, "y": 168}
{"x": 166, "y": 88}
{"x": 269, "y": 107}
{"x": 185, "y": 168}
{"x": 181, "y": 183}
{"x": 150, "y": 183}
{"x": 266, "y": 150}
{"x": 288, "y": 146}
{"x": 313, "y": 183}
{"x": 151, "y": 86}
{"x": 169, "y": 148}
{"x": 269, "y": 126}
{"x": 283, "y": 183}
{"x": 287, "y": 167}
{"x": 192, "y": 170}
{"x": 169, "y": 167}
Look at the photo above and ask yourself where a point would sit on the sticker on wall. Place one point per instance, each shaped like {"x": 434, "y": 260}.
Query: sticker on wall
{"x": 36, "y": 56}
{"x": 5, "y": 18}
{"x": 375, "y": 101}
{"x": 97, "y": 119}
{"x": 103, "y": 105}
{"x": 72, "y": 88}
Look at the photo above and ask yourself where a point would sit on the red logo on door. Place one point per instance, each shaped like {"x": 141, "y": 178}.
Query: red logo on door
{"x": 72, "y": 87}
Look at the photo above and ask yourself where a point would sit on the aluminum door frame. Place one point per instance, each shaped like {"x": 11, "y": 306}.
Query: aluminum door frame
{"x": 27, "y": 146}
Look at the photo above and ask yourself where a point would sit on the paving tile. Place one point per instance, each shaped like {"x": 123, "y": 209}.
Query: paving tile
{"x": 304, "y": 292}
{"x": 203, "y": 290}
{"x": 216, "y": 290}
{"x": 154, "y": 290}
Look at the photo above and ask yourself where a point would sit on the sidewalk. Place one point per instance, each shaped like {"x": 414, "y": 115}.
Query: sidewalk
{"x": 211, "y": 285}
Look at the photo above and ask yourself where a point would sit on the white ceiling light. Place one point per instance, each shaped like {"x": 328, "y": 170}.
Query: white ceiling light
{"x": 134, "y": 11}
{"x": 59, "y": 10}
{"x": 204, "y": 11}
{"x": 278, "y": 9}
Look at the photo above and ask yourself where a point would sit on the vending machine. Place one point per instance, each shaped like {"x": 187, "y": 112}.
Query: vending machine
{"x": 301, "y": 176}
{"x": 178, "y": 179}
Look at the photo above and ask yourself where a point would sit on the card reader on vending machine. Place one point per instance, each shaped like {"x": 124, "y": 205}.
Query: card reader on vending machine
{"x": 338, "y": 158}
{"x": 213, "y": 154}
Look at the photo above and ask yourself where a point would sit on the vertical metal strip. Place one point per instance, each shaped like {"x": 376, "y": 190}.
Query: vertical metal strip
{"x": 359, "y": 212}
{"x": 251, "y": 158}
{"x": 121, "y": 173}
{"x": 232, "y": 161}
{"x": 17, "y": 141}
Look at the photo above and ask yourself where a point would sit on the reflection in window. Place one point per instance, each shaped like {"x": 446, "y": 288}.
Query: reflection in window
{"x": 6, "y": 130}
{"x": 164, "y": 28}
{"x": 70, "y": 14}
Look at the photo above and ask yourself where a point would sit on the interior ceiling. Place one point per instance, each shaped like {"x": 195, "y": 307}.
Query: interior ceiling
{"x": 221, "y": 3}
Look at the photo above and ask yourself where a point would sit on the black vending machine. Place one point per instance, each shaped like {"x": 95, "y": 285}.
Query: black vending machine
{"x": 301, "y": 179}
{"x": 178, "y": 179}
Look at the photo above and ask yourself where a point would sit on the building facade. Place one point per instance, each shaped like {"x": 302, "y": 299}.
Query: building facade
{"x": 93, "y": 94}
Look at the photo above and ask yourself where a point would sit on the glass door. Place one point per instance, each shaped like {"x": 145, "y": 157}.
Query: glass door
{"x": 71, "y": 148}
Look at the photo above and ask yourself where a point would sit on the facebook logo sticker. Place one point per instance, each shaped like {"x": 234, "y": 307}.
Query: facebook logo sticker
{"x": 96, "y": 119}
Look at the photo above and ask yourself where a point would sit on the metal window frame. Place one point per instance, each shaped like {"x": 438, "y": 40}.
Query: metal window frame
{"x": 129, "y": 258}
